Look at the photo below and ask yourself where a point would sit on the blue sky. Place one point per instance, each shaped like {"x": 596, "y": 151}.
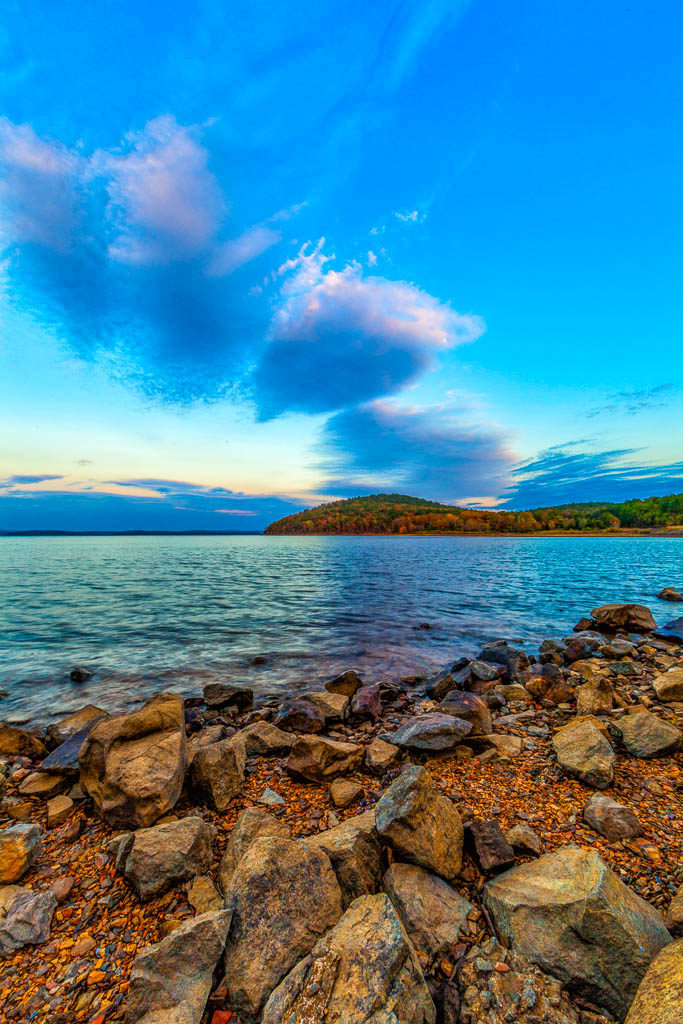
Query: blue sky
{"x": 256, "y": 256}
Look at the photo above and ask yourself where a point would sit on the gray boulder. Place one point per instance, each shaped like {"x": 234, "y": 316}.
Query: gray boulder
{"x": 645, "y": 735}
{"x": 355, "y": 854}
{"x": 431, "y": 911}
{"x": 253, "y": 823}
{"x": 610, "y": 819}
{"x": 27, "y": 921}
{"x": 582, "y": 750}
{"x": 155, "y": 859}
{"x": 217, "y": 772}
{"x": 433, "y": 732}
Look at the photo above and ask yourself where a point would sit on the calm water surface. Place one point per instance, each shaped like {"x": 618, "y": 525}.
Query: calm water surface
{"x": 177, "y": 612}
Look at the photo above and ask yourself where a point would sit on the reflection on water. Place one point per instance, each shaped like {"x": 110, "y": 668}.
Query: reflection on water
{"x": 177, "y": 612}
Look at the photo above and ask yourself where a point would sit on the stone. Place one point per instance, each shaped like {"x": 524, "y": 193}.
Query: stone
{"x": 355, "y": 854}
{"x": 18, "y": 743}
{"x": 203, "y": 896}
{"x": 512, "y": 659}
{"x": 611, "y": 819}
{"x": 204, "y": 738}
{"x": 632, "y": 618}
{"x": 63, "y": 730}
{"x": 507, "y": 746}
{"x": 669, "y": 686}
{"x": 645, "y": 735}
{"x": 269, "y": 798}
{"x": 659, "y": 999}
{"x": 363, "y": 971}
{"x": 223, "y": 695}
{"x": 170, "y": 982}
{"x": 62, "y": 887}
{"x": 469, "y": 708}
{"x": 64, "y": 759}
{"x": 19, "y": 850}
{"x": 299, "y": 715}
{"x": 594, "y": 698}
{"x": 284, "y": 896}
{"x": 675, "y": 912}
{"x": 343, "y": 792}
{"x": 317, "y": 758}
{"x": 420, "y": 824}
{"x": 366, "y": 702}
{"x": 524, "y": 840}
{"x": 485, "y": 671}
{"x": 583, "y": 751}
{"x": 253, "y": 823}
{"x": 156, "y": 859}
{"x": 569, "y": 914}
{"x": 133, "y": 766}
{"x": 487, "y": 844}
{"x": 8, "y": 894}
{"x": 347, "y": 684}
{"x": 431, "y": 911}
{"x": 451, "y": 679}
{"x": 514, "y": 692}
{"x": 28, "y": 921}
{"x": 670, "y": 594}
{"x": 80, "y": 674}
{"x": 58, "y": 810}
{"x": 381, "y": 757}
{"x": 333, "y": 706}
{"x": 432, "y": 732}
{"x": 617, "y": 648}
{"x": 576, "y": 649}
{"x": 266, "y": 739}
{"x": 217, "y": 772}
{"x": 42, "y": 784}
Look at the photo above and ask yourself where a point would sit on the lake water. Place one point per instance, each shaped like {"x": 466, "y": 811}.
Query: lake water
{"x": 147, "y": 613}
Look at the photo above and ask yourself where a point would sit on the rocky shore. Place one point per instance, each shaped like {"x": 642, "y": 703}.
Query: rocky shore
{"x": 501, "y": 842}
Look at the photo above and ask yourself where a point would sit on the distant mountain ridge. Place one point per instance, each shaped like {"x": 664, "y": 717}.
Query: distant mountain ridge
{"x": 403, "y": 514}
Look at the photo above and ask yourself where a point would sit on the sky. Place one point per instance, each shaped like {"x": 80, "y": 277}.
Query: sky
{"x": 255, "y": 256}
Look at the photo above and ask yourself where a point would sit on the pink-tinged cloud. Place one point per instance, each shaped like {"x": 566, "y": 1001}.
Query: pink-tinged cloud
{"x": 235, "y": 253}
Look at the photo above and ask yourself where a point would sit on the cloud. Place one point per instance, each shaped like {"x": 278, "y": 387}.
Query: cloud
{"x": 636, "y": 400}
{"x": 410, "y": 216}
{"x": 427, "y": 452}
{"x": 19, "y": 480}
{"x": 562, "y": 475}
{"x": 340, "y": 337}
{"x": 238, "y": 251}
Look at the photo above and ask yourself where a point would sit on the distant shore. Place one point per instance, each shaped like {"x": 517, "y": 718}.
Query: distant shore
{"x": 673, "y": 532}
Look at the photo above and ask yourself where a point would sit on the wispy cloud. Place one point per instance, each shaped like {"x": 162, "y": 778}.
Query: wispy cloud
{"x": 18, "y": 480}
{"x": 410, "y": 216}
{"x": 636, "y": 400}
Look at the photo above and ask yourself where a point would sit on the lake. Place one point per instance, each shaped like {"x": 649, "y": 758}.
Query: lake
{"x": 151, "y": 613}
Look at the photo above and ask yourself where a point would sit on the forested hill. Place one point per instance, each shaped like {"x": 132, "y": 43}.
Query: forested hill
{"x": 401, "y": 514}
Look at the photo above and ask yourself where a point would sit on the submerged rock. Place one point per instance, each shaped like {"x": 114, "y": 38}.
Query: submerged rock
{"x": 670, "y": 594}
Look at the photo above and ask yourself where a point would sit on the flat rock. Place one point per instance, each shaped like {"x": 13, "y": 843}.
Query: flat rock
{"x": 133, "y": 766}
{"x": 659, "y": 999}
{"x": 363, "y": 971}
{"x": 355, "y": 854}
{"x": 266, "y": 739}
{"x": 28, "y": 921}
{"x": 632, "y": 618}
{"x": 506, "y": 745}
{"x": 431, "y": 911}
{"x": 569, "y": 914}
{"x": 669, "y": 686}
{"x": 63, "y": 730}
{"x": 469, "y": 708}
{"x": 64, "y": 759}
{"x": 645, "y": 735}
{"x": 582, "y": 750}
{"x": 344, "y": 792}
{"x": 487, "y": 844}
{"x": 19, "y": 850}
{"x": 432, "y": 732}
{"x": 253, "y": 823}
{"x": 223, "y": 695}
{"x": 170, "y": 982}
{"x": 18, "y": 743}
{"x": 155, "y": 859}
{"x": 317, "y": 758}
{"x": 217, "y": 772}
{"x": 670, "y": 594}
{"x": 611, "y": 819}
{"x": 43, "y": 784}
{"x": 284, "y": 896}
{"x": 347, "y": 684}
{"x": 420, "y": 823}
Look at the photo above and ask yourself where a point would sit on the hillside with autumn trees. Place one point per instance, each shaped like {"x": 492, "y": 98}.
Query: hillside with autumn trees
{"x": 401, "y": 514}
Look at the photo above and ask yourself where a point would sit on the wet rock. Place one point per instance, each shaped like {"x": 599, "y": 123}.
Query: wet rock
{"x": 217, "y": 772}
{"x": 18, "y": 743}
{"x": 577, "y": 649}
{"x": 524, "y": 840}
{"x": 366, "y": 702}
{"x": 155, "y": 859}
{"x": 569, "y": 914}
{"x": 670, "y": 631}
{"x": 354, "y": 851}
{"x": 584, "y": 624}
{"x": 632, "y": 618}
{"x": 455, "y": 678}
{"x": 432, "y": 732}
{"x": 381, "y": 757}
{"x": 253, "y": 823}
{"x": 61, "y": 731}
{"x": 43, "y": 784}
{"x": 362, "y": 970}
{"x": 19, "y": 850}
{"x": 299, "y": 715}
{"x": 203, "y": 896}
{"x": 430, "y": 910}
{"x": 611, "y": 819}
{"x": 344, "y": 792}
{"x": 332, "y": 706}
{"x": 659, "y": 999}
{"x": 670, "y": 594}
{"x": 223, "y": 695}
{"x": 264, "y": 738}
{"x": 27, "y": 921}
{"x": 469, "y": 708}
{"x": 420, "y": 824}
{"x": 317, "y": 758}
{"x": 511, "y": 658}
{"x": 645, "y": 735}
{"x": 284, "y": 896}
{"x": 58, "y": 810}
{"x": 80, "y": 674}
{"x": 133, "y": 766}
{"x": 583, "y": 751}
{"x": 488, "y": 846}
{"x": 617, "y": 648}
{"x": 347, "y": 684}
{"x": 170, "y": 982}
{"x": 669, "y": 686}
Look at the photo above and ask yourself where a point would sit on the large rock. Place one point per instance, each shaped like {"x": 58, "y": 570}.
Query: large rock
{"x": 64, "y": 759}
{"x": 253, "y": 823}
{"x": 61, "y": 731}
{"x": 469, "y": 708}
{"x": 646, "y": 735}
{"x": 300, "y": 715}
{"x": 284, "y": 896}
{"x": 381, "y": 757}
{"x": 18, "y": 743}
{"x": 571, "y": 915}
{"x": 28, "y": 920}
{"x": 367, "y": 703}
{"x": 217, "y": 772}
{"x": 19, "y": 850}
{"x": 224, "y": 695}
{"x": 582, "y": 750}
{"x": 610, "y": 819}
{"x": 133, "y": 766}
{"x": 632, "y": 618}
{"x": 332, "y": 706}
{"x": 155, "y": 859}
{"x": 355, "y": 854}
{"x": 670, "y": 594}
{"x": 420, "y": 824}
{"x": 364, "y": 971}
{"x": 594, "y": 698}
{"x": 431, "y": 911}
{"x": 171, "y": 981}
{"x": 669, "y": 686}
{"x": 317, "y": 758}
{"x": 433, "y": 732}
{"x": 266, "y": 739}
{"x": 659, "y": 999}
{"x": 671, "y": 631}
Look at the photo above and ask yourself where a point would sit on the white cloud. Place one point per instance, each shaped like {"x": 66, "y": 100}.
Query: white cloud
{"x": 410, "y": 216}
{"x": 238, "y": 251}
